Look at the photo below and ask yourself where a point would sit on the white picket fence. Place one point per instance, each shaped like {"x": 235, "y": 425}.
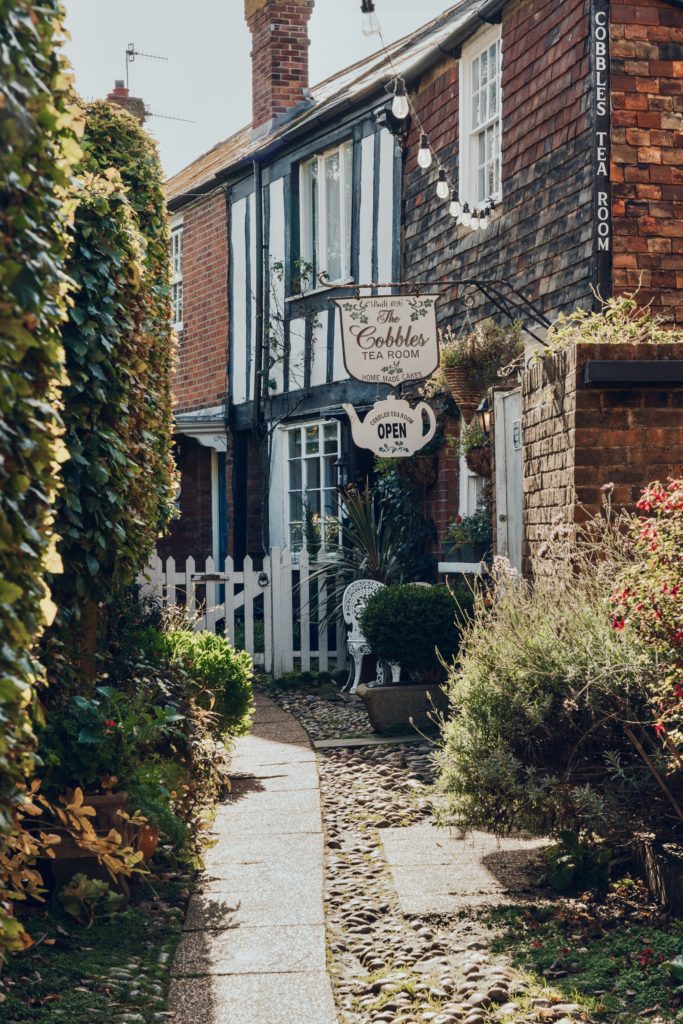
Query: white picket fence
{"x": 277, "y": 612}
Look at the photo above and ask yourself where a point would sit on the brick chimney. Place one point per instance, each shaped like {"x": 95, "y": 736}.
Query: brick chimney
{"x": 120, "y": 96}
{"x": 279, "y": 59}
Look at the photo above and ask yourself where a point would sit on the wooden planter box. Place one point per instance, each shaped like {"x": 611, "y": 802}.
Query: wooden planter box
{"x": 390, "y": 707}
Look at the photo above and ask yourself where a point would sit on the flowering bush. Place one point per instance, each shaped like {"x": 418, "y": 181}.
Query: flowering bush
{"x": 649, "y": 601}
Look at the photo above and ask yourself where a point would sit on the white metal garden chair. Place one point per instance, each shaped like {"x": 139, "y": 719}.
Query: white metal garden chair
{"x": 355, "y": 598}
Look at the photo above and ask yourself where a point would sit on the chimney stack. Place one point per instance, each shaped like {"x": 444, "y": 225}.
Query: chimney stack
{"x": 279, "y": 59}
{"x": 121, "y": 98}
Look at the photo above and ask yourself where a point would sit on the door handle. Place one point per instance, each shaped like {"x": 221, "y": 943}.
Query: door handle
{"x": 503, "y": 519}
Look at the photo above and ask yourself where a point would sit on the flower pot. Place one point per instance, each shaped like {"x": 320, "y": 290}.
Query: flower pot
{"x": 479, "y": 460}
{"x": 465, "y": 552}
{"x": 466, "y": 395}
{"x": 410, "y": 707}
{"x": 147, "y": 841}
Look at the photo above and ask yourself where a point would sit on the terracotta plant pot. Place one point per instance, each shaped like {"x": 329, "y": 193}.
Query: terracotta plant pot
{"x": 466, "y": 395}
{"x": 479, "y": 460}
{"x": 147, "y": 841}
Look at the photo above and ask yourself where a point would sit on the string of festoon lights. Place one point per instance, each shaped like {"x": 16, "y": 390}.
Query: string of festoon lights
{"x": 427, "y": 157}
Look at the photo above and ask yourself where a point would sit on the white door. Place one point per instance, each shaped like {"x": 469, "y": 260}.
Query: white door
{"x": 508, "y": 441}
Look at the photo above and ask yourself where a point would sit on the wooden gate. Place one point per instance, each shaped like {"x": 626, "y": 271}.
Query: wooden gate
{"x": 277, "y": 611}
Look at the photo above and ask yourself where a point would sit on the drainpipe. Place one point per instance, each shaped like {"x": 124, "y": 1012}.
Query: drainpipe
{"x": 258, "y": 340}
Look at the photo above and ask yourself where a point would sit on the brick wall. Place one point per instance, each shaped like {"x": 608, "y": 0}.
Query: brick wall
{"x": 578, "y": 438}
{"x": 279, "y": 56}
{"x": 647, "y": 153}
{"x": 201, "y": 371}
{"x": 540, "y": 238}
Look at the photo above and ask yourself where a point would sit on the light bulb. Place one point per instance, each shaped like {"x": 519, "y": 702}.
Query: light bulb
{"x": 465, "y": 216}
{"x": 399, "y": 107}
{"x": 455, "y": 208}
{"x": 484, "y": 220}
{"x": 370, "y": 22}
{"x": 442, "y": 189}
{"x": 475, "y": 221}
{"x": 424, "y": 156}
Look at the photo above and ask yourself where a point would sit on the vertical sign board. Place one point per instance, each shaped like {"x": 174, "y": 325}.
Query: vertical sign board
{"x": 602, "y": 193}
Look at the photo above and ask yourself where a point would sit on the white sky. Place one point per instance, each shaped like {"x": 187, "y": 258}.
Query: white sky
{"x": 207, "y": 76}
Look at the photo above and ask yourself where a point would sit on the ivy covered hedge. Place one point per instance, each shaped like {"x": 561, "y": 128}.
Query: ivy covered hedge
{"x": 38, "y": 149}
{"x": 118, "y": 481}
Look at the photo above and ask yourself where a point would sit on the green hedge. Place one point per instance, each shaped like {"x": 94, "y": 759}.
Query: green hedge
{"x": 410, "y": 624}
{"x": 38, "y": 148}
{"x": 118, "y": 490}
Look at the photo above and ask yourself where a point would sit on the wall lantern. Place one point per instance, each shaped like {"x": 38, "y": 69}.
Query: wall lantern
{"x": 341, "y": 471}
{"x": 483, "y": 416}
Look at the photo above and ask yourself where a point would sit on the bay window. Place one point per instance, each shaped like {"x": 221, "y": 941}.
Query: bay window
{"x": 326, "y": 197}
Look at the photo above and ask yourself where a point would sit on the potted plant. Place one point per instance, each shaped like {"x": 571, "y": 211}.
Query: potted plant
{"x": 469, "y": 538}
{"x": 472, "y": 363}
{"x": 418, "y": 627}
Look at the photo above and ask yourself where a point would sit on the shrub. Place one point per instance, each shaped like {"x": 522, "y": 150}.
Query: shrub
{"x": 648, "y": 602}
{"x": 486, "y": 353}
{"x": 619, "y": 321}
{"x": 542, "y": 698}
{"x": 416, "y": 626}
{"x": 224, "y": 672}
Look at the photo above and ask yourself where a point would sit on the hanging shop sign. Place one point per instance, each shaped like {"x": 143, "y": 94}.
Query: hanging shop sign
{"x": 392, "y": 429}
{"x": 390, "y": 339}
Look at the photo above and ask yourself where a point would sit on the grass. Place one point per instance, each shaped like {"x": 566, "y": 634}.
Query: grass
{"x": 77, "y": 975}
{"x": 607, "y": 956}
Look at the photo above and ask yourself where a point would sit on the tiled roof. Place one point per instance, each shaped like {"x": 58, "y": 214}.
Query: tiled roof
{"x": 351, "y": 84}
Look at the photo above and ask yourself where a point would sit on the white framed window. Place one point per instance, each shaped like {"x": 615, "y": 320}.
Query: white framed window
{"x": 312, "y": 510}
{"x": 481, "y": 124}
{"x": 326, "y": 200}
{"x": 177, "y": 276}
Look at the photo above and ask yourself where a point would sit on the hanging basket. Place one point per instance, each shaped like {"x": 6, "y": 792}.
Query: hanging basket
{"x": 466, "y": 395}
{"x": 479, "y": 461}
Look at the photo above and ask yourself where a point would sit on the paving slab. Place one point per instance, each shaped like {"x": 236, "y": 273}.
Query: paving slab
{"x": 306, "y": 849}
{"x": 263, "y": 878}
{"x": 251, "y": 950}
{"x": 275, "y": 779}
{"x": 438, "y": 871}
{"x": 254, "y": 906}
{"x": 367, "y": 741}
{"x": 253, "y": 944}
{"x": 269, "y": 804}
{"x": 304, "y": 998}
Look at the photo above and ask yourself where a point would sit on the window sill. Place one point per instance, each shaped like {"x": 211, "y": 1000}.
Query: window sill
{"x": 320, "y": 290}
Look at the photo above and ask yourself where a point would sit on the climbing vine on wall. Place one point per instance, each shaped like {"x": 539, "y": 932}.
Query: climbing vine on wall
{"x": 38, "y": 149}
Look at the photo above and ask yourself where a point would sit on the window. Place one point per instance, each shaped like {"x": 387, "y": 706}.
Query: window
{"x": 313, "y": 514}
{"x": 177, "y": 271}
{"x": 480, "y": 119}
{"x": 326, "y": 204}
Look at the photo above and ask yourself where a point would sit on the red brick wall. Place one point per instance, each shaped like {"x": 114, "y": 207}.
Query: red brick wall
{"x": 279, "y": 56}
{"x": 577, "y": 438}
{"x": 540, "y": 238}
{"x": 647, "y": 153}
{"x": 201, "y": 372}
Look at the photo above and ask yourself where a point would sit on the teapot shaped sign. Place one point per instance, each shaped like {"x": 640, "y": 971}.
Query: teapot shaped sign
{"x": 392, "y": 429}
{"x": 389, "y": 339}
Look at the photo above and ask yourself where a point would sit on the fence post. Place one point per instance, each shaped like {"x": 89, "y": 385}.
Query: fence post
{"x": 249, "y": 605}
{"x": 230, "y": 600}
{"x": 268, "y": 617}
{"x": 190, "y": 598}
{"x": 304, "y": 612}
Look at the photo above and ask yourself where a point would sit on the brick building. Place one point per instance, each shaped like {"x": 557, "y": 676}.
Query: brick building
{"x": 566, "y": 115}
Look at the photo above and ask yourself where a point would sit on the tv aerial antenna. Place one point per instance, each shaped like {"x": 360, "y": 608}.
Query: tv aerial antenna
{"x": 131, "y": 54}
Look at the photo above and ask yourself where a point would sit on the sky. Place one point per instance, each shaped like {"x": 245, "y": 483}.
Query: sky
{"x": 207, "y": 77}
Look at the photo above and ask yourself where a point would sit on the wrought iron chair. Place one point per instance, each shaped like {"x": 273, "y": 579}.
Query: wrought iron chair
{"x": 354, "y": 601}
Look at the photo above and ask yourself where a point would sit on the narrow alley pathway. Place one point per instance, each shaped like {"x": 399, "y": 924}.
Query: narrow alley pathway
{"x": 253, "y": 949}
